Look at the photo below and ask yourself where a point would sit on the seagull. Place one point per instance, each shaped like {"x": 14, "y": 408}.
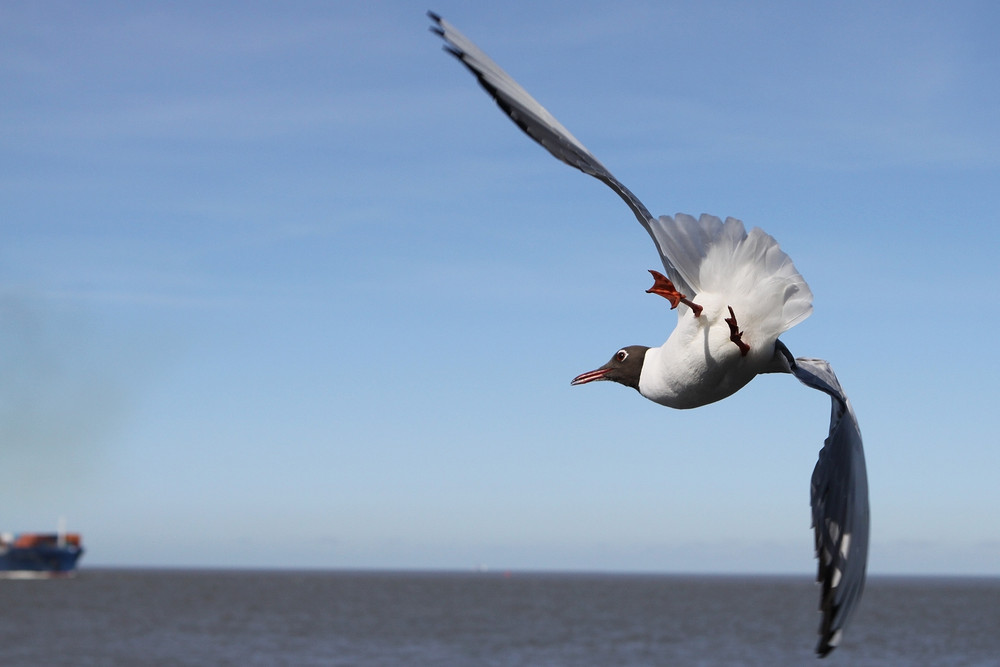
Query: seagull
{"x": 735, "y": 292}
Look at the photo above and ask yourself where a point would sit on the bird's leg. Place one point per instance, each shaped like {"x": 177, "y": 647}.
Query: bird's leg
{"x": 735, "y": 334}
{"x": 666, "y": 289}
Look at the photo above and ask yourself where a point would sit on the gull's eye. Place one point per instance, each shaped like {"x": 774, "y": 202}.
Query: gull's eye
{"x": 621, "y": 356}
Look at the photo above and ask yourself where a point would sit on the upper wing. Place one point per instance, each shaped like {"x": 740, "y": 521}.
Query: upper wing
{"x": 839, "y": 506}
{"x": 541, "y": 126}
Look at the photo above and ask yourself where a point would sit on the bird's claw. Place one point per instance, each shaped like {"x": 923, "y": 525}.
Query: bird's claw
{"x": 666, "y": 289}
{"x": 735, "y": 334}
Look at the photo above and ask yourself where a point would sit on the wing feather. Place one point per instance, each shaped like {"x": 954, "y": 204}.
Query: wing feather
{"x": 839, "y": 499}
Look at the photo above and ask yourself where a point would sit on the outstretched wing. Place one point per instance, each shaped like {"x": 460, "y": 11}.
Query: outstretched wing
{"x": 839, "y": 507}
{"x": 542, "y": 126}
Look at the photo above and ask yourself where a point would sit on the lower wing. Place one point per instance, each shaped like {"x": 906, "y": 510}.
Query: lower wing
{"x": 839, "y": 499}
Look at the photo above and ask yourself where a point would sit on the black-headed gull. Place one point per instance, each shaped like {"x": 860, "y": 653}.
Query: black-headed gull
{"x": 735, "y": 292}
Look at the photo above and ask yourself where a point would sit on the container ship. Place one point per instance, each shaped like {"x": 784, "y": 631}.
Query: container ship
{"x": 39, "y": 555}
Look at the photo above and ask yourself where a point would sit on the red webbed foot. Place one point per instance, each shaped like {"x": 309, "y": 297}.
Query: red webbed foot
{"x": 735, "y": 334}
{"x": 666, "y": 289}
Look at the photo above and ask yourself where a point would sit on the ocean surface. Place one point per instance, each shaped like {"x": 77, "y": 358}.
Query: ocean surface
{"x": 187, "y": 617}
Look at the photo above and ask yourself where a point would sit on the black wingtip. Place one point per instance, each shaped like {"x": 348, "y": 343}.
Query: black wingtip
{"x": 827, "y": 644}
{"x": 436, "y": 29}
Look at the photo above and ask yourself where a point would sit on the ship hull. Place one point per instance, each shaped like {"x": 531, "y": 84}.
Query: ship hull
{"x": 39, "y": 556}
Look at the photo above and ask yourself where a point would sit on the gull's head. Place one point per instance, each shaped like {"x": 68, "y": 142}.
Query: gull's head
{"x": 624, "y": 368}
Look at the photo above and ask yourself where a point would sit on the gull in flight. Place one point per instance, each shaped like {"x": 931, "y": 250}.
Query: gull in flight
{"x": 735, "y": 292}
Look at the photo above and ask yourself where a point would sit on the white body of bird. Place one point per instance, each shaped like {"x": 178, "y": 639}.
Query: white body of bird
{"x": 725, "y": 268}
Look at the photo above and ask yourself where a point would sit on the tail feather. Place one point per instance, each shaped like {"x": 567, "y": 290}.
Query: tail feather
{"x": 722, "y": 258}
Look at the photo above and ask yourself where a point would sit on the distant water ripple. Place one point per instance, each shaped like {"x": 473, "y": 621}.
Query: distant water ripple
{"x": 137, "y": 617}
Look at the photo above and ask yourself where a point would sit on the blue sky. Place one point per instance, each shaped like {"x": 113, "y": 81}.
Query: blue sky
{"x": 280, "y": 286}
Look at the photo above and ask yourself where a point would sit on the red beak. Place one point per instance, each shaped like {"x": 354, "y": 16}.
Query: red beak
{"x": 590, "y": 376}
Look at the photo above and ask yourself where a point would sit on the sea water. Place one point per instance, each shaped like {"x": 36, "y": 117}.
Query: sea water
{"x": 182, "y": 617}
